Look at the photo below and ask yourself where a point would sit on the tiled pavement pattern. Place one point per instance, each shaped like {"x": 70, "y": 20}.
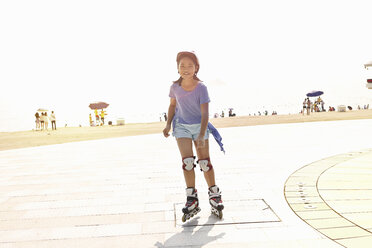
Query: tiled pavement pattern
{"x": 334, "y": 196}
{"x": 126, "y": 192}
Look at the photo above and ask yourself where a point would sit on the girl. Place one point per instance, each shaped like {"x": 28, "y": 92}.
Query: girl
{"x": 188, "y": 110}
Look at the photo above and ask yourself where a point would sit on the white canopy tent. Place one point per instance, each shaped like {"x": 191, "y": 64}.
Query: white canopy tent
{"x": 369, "y": 81}
{"x": 368, "y": 65}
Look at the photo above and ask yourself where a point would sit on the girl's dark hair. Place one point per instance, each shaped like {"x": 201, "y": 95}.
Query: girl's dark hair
{"x": 179, "y": 81}
{"x": 194, "y": 59}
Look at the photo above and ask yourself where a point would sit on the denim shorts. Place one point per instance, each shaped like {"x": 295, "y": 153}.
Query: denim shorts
{"x": 190, "y": 131}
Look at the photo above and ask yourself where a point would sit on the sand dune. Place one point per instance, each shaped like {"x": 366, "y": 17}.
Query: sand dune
{"x": 13, "y": 140}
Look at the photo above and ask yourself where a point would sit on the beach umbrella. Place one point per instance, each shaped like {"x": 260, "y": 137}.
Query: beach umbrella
{"x": 315, "y": 93}
{"x": 98, "y": 105}
{"x": 42, "y": 110}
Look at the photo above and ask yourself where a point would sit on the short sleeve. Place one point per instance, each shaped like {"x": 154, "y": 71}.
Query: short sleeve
{"x": 204, "y": 97}
{"x": 171, "y": 92}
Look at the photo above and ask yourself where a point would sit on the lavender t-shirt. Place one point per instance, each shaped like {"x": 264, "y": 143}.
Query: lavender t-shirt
{"x": 188, "y": 103}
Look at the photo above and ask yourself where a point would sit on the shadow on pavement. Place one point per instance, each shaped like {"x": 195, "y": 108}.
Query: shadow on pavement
{"x": 190, "y": 238}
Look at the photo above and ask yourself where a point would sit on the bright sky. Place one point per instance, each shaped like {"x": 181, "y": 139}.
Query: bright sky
{"x": 63, "y": 55}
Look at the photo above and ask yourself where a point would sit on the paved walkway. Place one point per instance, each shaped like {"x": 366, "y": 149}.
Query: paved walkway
{"x": 127, "y": 192}
{"x": 334, "y": 196}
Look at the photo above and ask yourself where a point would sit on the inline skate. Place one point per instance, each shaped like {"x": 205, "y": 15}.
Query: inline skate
{"x": 192, "y": 204}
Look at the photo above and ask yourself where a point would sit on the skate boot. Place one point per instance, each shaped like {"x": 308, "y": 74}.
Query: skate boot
{"x": 192, "y": 205}
{"x": 215, "y": 201}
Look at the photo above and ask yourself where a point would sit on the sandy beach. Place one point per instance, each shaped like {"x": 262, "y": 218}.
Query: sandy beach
{"x": 22, "y": 139}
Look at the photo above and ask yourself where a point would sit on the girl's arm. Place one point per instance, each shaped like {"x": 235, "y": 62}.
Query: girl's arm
{"x": 204, "y": 124}
{"x": 171, "y": 112}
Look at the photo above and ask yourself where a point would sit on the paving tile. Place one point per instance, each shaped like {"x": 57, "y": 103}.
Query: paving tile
{"x": 128, "y": 241}
{"x": 344, "y": 232}
{"x": 307, "y": 199}
{"x": 158, "y": 227}
{"x": 356, "y": 242}
{"x": 335, "y": 194}
{"x": 88, "y": 220}
{"x": 361, "y": 219}
{"x": 298, "y": 194}
{"x": 295, "y": 181}
{"x": 329, "y": 223}
{"x": 347, "y": 206}
{"x": 348, "y": 185}
{"x": 296, "y": 188}
{"x": 303, "y": 207}
{"x": 317, "y": 214}
{"x": 70, "y": 232}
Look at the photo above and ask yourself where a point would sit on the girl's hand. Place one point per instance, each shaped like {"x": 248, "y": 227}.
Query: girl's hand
{"x": 166, "y": 131}
{"x": 200, "y": 142}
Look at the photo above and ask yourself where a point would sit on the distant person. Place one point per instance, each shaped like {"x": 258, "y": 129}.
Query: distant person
{"x": 304, "y": 105}
{"x": 90, "y": 120}
{"x": 37, "y": 120}
{"x": 46, "y": 120}
{"x": 97, "y": 116}
{"x": 42, "y": 120}
{"x": 103, "y": 117}
{"x": 222, "y": 114}
{"x": 53, "y": 121}
{"x": 308, "y": 106}
{"x": 165, "y": 117}
{"x": 231, "y": 114}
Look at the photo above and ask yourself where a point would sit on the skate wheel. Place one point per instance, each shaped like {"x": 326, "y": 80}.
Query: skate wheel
{"x": 220, "y": 214}
{"x": 183, "y": 218}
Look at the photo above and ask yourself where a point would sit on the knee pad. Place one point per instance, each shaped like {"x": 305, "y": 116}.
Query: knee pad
{"x": 188, "y": 163}
{"x": 205, "y": 164}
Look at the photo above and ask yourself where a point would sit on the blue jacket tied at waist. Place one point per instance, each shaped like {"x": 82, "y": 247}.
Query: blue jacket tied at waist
{"x": 216, "y": 135}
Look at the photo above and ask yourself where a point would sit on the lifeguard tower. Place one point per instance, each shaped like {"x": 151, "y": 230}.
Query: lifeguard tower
{"x": 369, "y": 79}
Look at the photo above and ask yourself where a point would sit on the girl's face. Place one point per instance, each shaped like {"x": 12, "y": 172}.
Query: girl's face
{"x": 186, "y": 68}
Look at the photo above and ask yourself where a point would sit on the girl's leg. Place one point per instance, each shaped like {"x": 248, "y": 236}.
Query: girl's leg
{"x": 214, "y": 193}
{"x": 185, "y": 147}
{"x": 202, "y": 154}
